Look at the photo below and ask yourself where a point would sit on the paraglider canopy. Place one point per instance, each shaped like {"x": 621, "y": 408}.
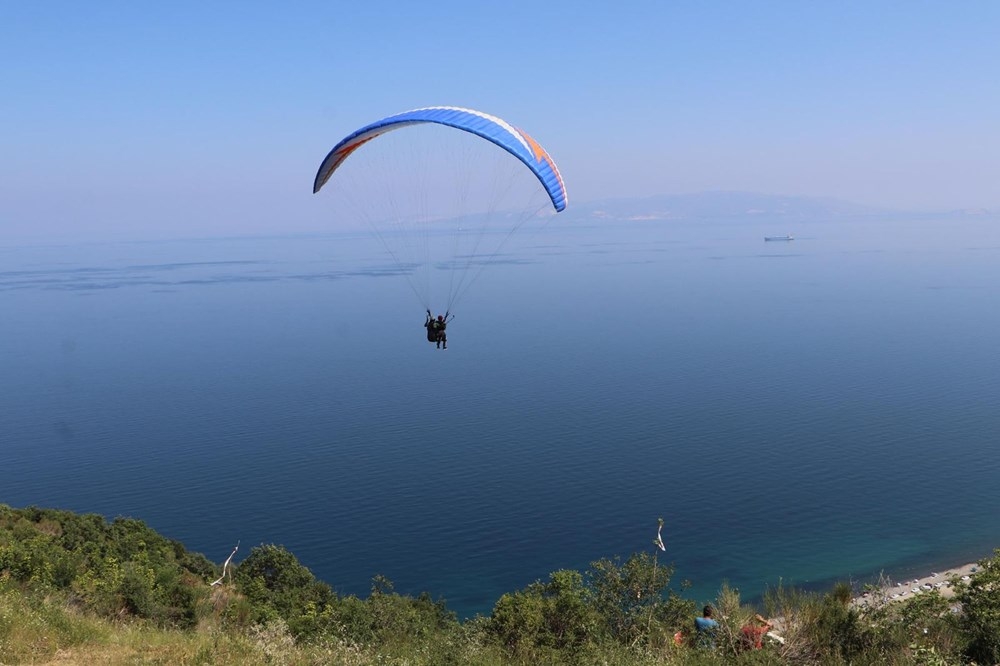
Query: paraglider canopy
{"x": 491, "y": 128}
{"x": 442, "y": 202}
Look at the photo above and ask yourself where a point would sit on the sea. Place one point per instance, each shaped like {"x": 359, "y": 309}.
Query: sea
{"x": 797, "y": 413}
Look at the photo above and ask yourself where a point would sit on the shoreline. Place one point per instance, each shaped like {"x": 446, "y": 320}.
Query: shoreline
{"x": 907, "y": 589}
{"x": 895, "y": 591}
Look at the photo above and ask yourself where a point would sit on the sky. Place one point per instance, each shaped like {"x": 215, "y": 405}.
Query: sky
{"x": 190, "y": 119}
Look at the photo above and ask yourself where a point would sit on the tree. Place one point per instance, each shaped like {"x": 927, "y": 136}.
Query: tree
{"x": 274, "y": 582}
{"x": 555, "y": 615}
{"x": 629, "y": 597}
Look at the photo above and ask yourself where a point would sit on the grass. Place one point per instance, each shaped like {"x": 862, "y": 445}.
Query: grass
{"x": 48, "y": 629}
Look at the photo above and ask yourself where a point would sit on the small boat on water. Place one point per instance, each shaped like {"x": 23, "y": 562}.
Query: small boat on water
{"x": 779, "y": 238}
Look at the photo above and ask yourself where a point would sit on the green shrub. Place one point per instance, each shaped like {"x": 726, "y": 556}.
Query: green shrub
{"x": 980, "y": 621}
{"x": 634, "y": 603}
{"x": 121, "y": 569}
{"x": 277, "y": 586}
{"x": 545, "y": 618}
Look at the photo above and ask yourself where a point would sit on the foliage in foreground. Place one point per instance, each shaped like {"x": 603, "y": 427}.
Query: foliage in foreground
{"x": 77, "y": 590}
{"x": 122, "y": 568}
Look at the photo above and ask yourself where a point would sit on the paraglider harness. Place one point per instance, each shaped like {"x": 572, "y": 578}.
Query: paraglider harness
{"x": 436, "y": 327}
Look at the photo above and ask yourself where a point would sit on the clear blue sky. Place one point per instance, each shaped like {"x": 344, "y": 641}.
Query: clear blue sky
{"x": 134, "y": 119}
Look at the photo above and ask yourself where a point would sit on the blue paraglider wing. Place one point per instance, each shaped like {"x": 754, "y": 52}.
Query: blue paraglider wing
{"x": 491, "y": 128}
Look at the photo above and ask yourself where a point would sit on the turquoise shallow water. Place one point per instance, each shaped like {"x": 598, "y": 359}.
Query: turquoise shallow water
{"x": 802, "y": 411}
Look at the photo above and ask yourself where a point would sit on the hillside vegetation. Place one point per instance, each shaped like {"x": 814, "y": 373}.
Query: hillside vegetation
{"x": 76, "y": 589}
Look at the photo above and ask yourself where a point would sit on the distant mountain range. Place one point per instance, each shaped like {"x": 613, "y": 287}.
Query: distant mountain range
{"x": 740, "y": 205}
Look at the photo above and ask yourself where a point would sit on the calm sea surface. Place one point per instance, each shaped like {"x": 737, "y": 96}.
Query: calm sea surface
{"x": 803, "y": 411}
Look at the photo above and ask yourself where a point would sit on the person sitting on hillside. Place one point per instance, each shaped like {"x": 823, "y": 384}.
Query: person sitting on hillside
{"x": 705, "y": 628}
{"x": 753, "y": 632}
